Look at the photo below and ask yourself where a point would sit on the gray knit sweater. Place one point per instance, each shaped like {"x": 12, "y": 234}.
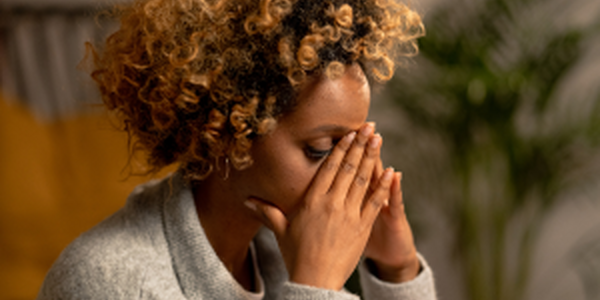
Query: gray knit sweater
{"x": 155, "y": 248}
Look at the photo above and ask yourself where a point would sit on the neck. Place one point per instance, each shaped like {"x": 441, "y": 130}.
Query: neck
{"x": 228, "y": 224}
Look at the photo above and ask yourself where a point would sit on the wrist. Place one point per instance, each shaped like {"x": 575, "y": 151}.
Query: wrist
{"x": 317, "y": 280}
{"x": 395, "y": 274}
{"x": 322, "y": 284}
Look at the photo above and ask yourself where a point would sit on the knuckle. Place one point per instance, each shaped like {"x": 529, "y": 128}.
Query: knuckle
{"x": 332, "y": 206}
{"x": 360, "y": 142}
{"x": 371, "y": 153}
{"x": 330, "y": 165}
{"x": 361, "y": 139}
{"x": 344, "y": 145}
{"x": 361, "y": 180}
{"x": 377, "y": 202}
{"x": 348, "y": 167}
{"x": 383, "y": 187}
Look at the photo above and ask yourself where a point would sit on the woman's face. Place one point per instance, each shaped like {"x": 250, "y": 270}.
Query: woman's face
{"x": 286, "y": 160}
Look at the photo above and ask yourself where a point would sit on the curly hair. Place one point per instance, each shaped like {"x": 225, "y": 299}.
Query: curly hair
{"x": 195, "y": 81}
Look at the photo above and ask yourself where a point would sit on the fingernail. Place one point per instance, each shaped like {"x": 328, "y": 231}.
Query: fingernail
{"x": 375, "y": 141}
{"x": 251, "y": 205}
{"x": 366, "y": 130}
{"x": 387, "y": 175}
{"x": 372, "y": 124}
{"x": 350, "y": 136}
{"x": 399, "y": 176}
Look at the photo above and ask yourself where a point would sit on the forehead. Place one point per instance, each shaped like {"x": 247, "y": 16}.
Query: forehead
{"x": 340, "y": 104}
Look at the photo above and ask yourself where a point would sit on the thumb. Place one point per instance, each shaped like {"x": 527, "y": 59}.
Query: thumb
{"x": 270, "y": 215}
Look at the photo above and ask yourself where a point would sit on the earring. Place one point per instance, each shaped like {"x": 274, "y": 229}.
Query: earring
{"x": 226, "y": 168}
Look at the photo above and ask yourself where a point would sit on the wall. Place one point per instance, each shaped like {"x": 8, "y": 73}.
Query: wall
{"x": 57, "y": 179}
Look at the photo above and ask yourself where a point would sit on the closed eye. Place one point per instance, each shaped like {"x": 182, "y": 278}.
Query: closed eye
{"x": 316, "y": 154}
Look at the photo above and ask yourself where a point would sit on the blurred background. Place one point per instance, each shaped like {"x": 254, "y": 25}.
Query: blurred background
{"x": 495, "y": 125}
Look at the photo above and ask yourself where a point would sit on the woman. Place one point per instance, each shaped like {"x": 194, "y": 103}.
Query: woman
{"x": 263, "y": 106}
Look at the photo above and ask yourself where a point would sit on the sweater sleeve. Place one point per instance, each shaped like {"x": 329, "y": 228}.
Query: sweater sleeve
{"x": 420, "y": 288}
{"x": 294, "y": 291}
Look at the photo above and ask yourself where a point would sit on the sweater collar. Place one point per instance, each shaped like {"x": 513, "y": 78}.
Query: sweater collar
{"x": 199, "y": 270}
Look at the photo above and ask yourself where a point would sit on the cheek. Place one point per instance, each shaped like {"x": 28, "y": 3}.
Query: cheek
{"x": 289, "y": 176}
{"x": 294, "y": 178}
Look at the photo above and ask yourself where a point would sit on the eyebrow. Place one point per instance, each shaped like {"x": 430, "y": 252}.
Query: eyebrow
{"x": 331, "y": 128}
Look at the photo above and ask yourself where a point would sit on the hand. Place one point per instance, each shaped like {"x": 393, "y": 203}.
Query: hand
{"x": 391, "y": 246}
{"x": 324, "y": 239}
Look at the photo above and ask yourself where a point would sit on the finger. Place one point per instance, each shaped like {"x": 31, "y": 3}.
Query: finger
{"x": 269, "y": 215}
{"x": 326, "y": 174}
{"x": 372, "y": 206}
{"x": 396, "y": 201}
{"x": 361, "y": 182}
{"x": 349, "y": 165}
{"x": 373, "y": 124}
{"x": 377, "y": 172}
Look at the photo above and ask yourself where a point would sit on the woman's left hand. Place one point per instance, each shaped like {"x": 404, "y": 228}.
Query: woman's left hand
{"x": 391, "y": 247}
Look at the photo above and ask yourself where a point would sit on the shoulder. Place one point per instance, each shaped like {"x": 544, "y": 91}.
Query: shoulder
{"x": 111, "y": 259}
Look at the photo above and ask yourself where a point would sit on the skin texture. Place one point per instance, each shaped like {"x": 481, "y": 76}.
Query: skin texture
{"x": 317, "y": 182}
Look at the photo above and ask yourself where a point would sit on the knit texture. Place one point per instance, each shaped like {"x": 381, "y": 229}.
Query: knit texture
{"x": 155, "y": 248}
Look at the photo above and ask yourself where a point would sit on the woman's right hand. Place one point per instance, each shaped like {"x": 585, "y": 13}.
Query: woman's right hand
{"x": 323, "y": 241}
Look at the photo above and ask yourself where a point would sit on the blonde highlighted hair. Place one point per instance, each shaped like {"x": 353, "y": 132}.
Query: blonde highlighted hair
{"x": 197, "y": 80}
